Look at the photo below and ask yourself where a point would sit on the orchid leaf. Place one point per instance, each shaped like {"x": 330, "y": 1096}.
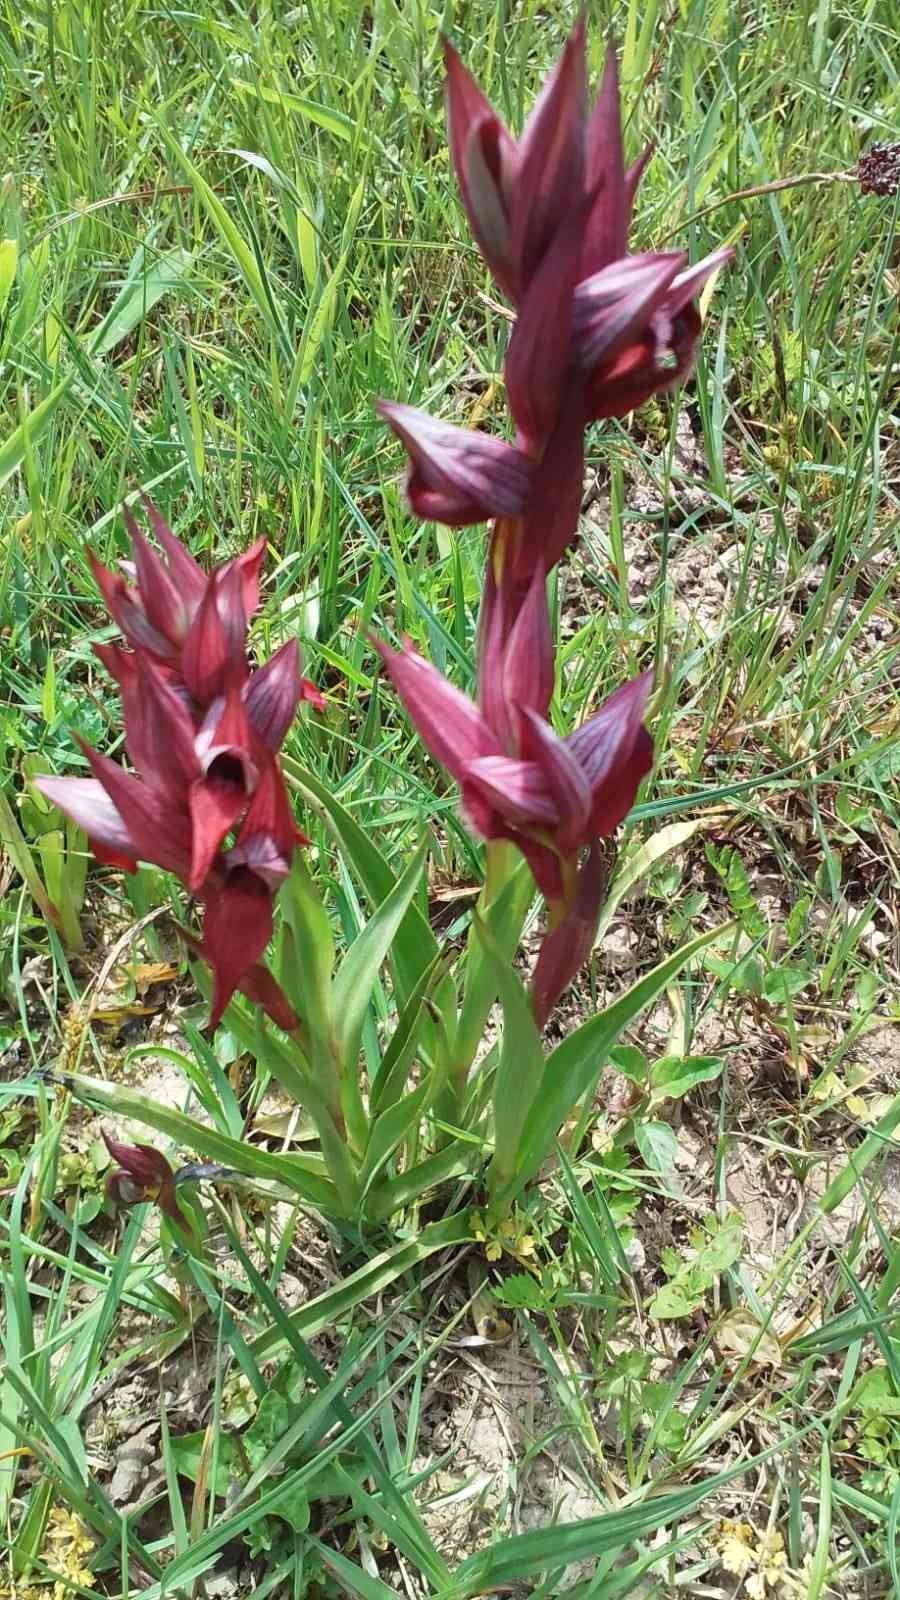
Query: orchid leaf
{"x": 301, "y": 1175}
{"x": 404, "y": 1044}
{"x": 391, "y": 1127}
{"x": 393, "y": 1194}
{"x": 356, "y": 976}
{"x": 575, "y": 1065}
{"x": 308, "y": 955}
{"x": 502, "y": 920}
{"x": 414, "y": 945}
{"x": 521, "y": 1066}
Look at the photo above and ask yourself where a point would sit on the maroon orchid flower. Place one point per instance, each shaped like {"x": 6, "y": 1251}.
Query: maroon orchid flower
{"x": 636, "y": 325}
{"x": 517, "y": 194}
{"x": 597, "y": 332}
{"x": 202, "y": 732}
{"x": 141, "y": 1174}
{"x": 637, "y": 328}
{"x": 458, "y": 475}
{"x": 552, "y": 797}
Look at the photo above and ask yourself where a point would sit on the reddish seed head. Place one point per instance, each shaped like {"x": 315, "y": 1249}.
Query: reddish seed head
{"x": 878, "y": 170}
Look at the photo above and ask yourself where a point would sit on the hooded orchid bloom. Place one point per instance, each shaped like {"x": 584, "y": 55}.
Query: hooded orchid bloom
{"x": 202, "y": 733}
{"x": 597, "y": 331}
{"x": 521, "y": 199}
{"x": 455, "y": 473}
{"x": 552, "y": 797}
{"x": 140, "y": 1174}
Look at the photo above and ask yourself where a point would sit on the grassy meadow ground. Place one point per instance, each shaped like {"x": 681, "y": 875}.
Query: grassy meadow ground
{"x": 232, "y": 228}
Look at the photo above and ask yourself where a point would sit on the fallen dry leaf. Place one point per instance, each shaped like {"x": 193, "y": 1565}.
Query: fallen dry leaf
{"x": 740, "y": 1333}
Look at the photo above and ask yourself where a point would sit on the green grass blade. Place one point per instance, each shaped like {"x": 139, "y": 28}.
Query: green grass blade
{"x": 371, "y": 1279}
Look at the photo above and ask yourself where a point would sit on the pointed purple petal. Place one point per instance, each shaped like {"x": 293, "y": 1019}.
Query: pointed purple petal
{"x": 606, "y": 233}
{"x": 566, "y": 948}
{"x": 449, "y": 723}
{"x": 466, "y": 103}
{"x": 188, "y": 574}
{"x": 238, "y": 589}
{"x": 122, "y": 665}
{"x": 484, "y": 158}
{"x": 157, "y": 831}
{"x": 484, "y": 819}
{"x": 128, "y": 613}
{"x": 616, "y": 304}
{"x": 90, "y": 807}
{"x": 141, "y": 1162}
{"x": 160, "y": 734}
{"x": 163, "y": 601}
{"x": 550, "y": 165}
{"x": 688, "y": 284}
{"x": 550, "y": 520}
{"x": 243, "y": 902}
{"x": 273, "y": 693}
{"x": 208, "y": 644}
{"x": 458, "y": 475}
{"x": 494, "y": 624}
{"x": 614, "y": 751}
{"x": 528, "y": 670}
{"x": 215, "y": 805}
{"x": 485, "y": 201}
{"x": 260, "y": 987}
{"x": 539, "y": 354}
{"x": 563, "y": 778}
{"x": 516, "y": 789}
{"x": 269, "y": 835}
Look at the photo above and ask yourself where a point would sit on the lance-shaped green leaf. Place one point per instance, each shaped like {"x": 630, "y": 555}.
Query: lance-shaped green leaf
{"x": 457, "y": 1160}
{"x": 304, "y": 1087}
{"x": 415, "y": 945}
{"x": 406, "y": 1042}
{"x": 391, "y": 1127}
{"x": 503, "y": 919}
{"x": 521, "y": 1066}
{"x": 358, "y": 972}
{"x": 575, "y": 1065}
{"x": 302, "y": 1080}
{"x": 308, "y": 957}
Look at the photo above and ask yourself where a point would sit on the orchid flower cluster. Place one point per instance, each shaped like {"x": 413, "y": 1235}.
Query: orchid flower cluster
{"x": 203, "y": 733}
{"x": 597, "y": 332}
